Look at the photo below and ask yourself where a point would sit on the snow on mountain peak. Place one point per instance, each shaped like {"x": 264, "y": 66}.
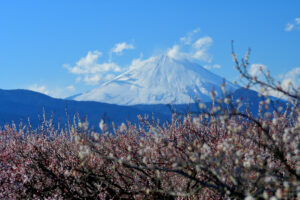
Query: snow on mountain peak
{"x": 158, "y": 80}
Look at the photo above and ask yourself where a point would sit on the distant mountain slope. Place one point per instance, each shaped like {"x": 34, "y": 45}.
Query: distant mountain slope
{"x": 158, "y": 80}
{"x": 18, "y": 105}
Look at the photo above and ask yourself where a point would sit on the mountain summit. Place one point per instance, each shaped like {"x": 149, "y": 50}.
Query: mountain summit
{"x": 158, "y": 80}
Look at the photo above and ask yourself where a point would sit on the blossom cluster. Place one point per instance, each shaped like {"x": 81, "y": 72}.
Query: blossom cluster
{"x": 199, "y": 157}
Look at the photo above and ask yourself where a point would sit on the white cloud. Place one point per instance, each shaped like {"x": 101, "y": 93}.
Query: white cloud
{"x": 287, "y": 80}
{"x": 91, "y": 70}
{"x": 289, "y": 27}
{"x": 293, "y": 26}
{"x": 203, "y": 43}
{"x": 135, "y": 63}
{"x": 109, "y": 67}
{"x": 201, "y": 47}
{"x": 197, "y": 51}
{"x": 90, "y": 59}
{"x": 256, "y": 69}
{"x": 174, "y": 52}
{"x": 96, "y": 78}
{"x": 120, "y": 47}
{"x": 215, "y": 66}
{"x": 189, "y": 37}
{"x": 202, "y": 55}
{"x": 39, "y": 88}
{"x": 292, "y": 77}
{"x": 92, "y": 79}
{"x": 90, "y": 65}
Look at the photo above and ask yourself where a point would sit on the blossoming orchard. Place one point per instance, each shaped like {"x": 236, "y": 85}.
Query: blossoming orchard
{"x": 220, "y": 152}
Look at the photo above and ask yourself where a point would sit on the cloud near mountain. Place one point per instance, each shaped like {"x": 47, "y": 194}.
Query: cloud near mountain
{"x": 158, "y": 80}
{"x": 91, "y": 71}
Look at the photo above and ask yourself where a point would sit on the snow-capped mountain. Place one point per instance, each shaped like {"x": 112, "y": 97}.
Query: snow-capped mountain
{"x": 159, "y": 80}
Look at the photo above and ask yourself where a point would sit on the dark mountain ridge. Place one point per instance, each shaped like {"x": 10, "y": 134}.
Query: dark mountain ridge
{"x": 19, "y": 105}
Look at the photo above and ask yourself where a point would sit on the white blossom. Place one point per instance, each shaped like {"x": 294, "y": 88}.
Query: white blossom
{"x": 123, "y": 127}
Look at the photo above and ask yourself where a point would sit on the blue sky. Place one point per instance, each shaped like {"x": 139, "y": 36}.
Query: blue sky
{"x": 66, "y": 47}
